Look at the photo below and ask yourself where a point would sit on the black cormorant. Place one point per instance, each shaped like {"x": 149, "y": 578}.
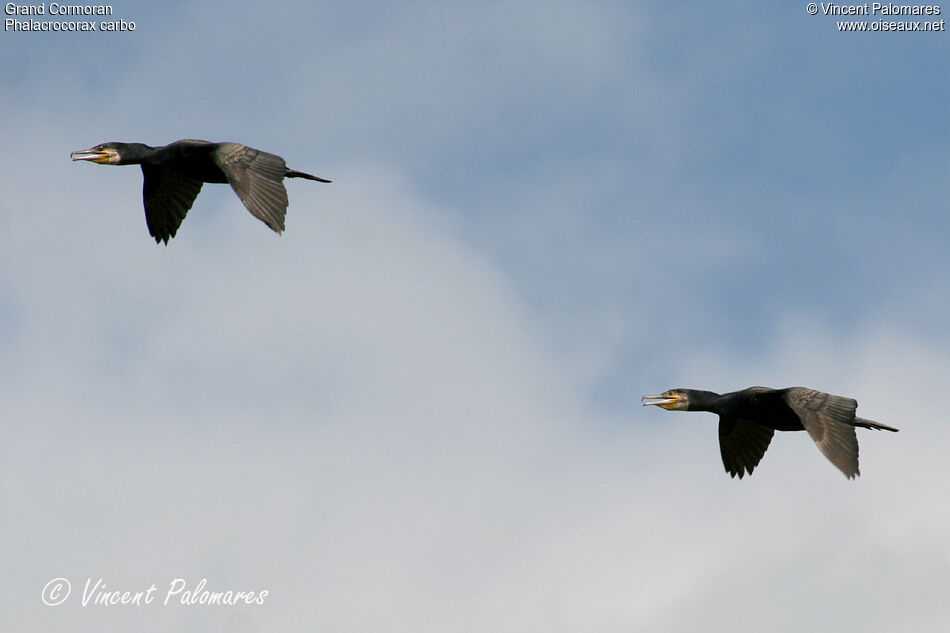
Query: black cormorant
{"x": 748, "y": 418}
{"x": 174, "y": 174}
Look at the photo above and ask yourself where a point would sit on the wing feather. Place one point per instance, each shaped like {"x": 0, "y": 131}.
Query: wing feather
{"x": 168, "y": 195}
{"x": 830, "y": 422}
{"x": 258, "y": 179}
{"x": 742, "y": 444}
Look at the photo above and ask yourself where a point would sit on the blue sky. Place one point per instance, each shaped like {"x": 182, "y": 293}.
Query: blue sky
{"x": 418, "y": 408}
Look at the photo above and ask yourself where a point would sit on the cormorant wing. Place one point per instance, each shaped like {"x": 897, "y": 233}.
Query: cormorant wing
{"x": 742, "y": 444}
{"x": 168, "y": 195}
{"x": 830, "y": 422}
{"x": 258, "y": 179}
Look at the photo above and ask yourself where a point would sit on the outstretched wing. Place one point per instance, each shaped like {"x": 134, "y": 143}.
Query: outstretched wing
{"x": 742, "y": 444}
{"x": 258, "y": 179}
{"x": 830, "y": 422}
{"x": 168, "y": 195}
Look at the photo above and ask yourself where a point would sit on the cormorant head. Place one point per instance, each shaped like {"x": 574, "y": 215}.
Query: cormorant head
{"x": 106, "y": 154}
{"x": 113, "y": 153}
{"x": 672, "y": 400}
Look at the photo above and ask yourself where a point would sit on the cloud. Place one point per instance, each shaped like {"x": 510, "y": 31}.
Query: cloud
{"x": 198, "y": 403}
{"x": 360, "y": 417}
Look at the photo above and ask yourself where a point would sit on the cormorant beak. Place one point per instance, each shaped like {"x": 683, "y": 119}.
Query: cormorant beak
{"x": 668, "y": 400}
{"x": 101, "y": 156}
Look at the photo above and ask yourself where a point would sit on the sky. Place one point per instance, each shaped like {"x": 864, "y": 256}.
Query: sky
{"x": 418, "y": 409}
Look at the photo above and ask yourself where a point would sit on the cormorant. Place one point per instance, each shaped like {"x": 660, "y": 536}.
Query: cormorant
{"x": 174, "y": 174}
{"x": 748, "y": 418}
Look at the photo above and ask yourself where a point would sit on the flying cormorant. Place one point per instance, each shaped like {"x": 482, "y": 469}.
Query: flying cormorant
{"x": 174, "y": 174}
{"x": 748, "y": 418}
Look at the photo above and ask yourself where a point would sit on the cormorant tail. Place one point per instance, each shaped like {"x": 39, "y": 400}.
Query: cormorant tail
{"x": 870, "y": 424}
{"x": 291, "y": 173}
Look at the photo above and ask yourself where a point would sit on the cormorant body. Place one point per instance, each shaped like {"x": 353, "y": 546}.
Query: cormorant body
{"x": 749, "y": 418}
{"x": 173, "y": 175}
